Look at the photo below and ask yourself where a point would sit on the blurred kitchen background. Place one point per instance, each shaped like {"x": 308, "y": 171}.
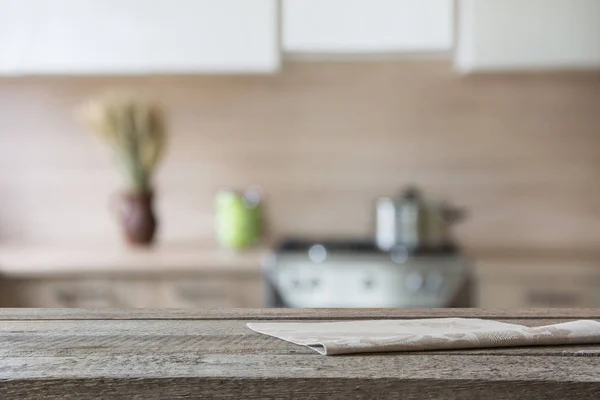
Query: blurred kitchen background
{"x": 361, "y": 129}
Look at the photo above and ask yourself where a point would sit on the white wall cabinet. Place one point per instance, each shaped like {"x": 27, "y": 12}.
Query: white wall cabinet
{"x": 496, "y": 35}
{"x": 138, "y": 36}
{"x": 367, "y": 26}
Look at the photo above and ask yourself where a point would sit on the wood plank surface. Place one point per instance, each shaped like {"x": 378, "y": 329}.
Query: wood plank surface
{"x": 298, "y": 314}
{"x": 121, "y": 354}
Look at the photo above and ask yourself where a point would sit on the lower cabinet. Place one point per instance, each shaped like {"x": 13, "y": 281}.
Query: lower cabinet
{"x": 552, "y": 284}
{"x": 211, "y": 293}
{"x": 499, "y": 284}
{"x": 508, "y": 294}
{"x": 193, "y": 291}
{"x": 95, "y": 293}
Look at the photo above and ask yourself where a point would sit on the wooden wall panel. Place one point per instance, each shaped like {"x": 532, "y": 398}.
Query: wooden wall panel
{"x": 521, "y": 152}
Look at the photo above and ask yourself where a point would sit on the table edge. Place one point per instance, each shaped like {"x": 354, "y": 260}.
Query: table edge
{"x": 8, "y": 314}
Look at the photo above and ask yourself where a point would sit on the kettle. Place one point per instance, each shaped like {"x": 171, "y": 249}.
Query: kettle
{"x": 414, "y": 222}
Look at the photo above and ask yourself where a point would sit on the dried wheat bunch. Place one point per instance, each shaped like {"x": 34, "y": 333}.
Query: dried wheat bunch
{"x": 134, "y": 128}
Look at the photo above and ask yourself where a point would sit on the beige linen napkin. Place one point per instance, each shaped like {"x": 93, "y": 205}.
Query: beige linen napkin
{"x": 331, "y": 338}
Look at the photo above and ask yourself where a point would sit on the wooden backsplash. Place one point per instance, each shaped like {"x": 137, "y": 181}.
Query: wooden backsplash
{"x": 520, "y": 152}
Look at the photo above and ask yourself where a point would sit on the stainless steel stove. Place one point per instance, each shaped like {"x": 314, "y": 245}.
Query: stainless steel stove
{"x": 313, "y": 274}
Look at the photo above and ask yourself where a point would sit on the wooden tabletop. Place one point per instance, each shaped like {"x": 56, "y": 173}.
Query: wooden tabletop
{"x": 150, "y": 354}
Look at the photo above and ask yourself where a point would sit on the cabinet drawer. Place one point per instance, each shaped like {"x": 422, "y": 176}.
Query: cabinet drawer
{"x": 186, "y": 293}
{"x": 81, "y": 293}
{"x": 548, "y": 294}
{"x": 61, "y": 293}
{"x": 211, "y": 292}
{"x": 136, "y": 293}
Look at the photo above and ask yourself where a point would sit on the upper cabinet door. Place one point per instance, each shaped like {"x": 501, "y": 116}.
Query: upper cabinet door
{"x": 367, "y": 26}
{"x": 528, "y": 34}
{"x": 138, "y": 36}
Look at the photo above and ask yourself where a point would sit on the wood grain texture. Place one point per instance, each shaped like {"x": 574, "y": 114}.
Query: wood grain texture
{"x": 297, "y": 388}
{"x": 295, "y": 314}
{"x": 58, "y": 354}
{"x": 521, "y": 152}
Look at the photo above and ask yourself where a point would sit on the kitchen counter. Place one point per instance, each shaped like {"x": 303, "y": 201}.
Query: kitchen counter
{"x": 173, "y": 276}
{"x": 186, "y": 275}
{"x": 59, "y": 353}
{"x": 29, "y": 260}
{"x": 34, "y": 261}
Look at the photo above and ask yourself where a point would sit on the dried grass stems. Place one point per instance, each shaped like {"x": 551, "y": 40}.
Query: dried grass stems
{"x": 134, "y": 128}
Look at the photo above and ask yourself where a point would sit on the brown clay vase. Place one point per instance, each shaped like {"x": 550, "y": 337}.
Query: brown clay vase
{"x": 137, "y": 218}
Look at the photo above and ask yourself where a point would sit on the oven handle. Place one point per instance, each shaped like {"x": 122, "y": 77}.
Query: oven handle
{"x": 271, "y": 295}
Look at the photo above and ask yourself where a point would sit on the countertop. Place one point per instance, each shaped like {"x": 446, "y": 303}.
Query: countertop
{"x": 32, "y": 260}
{"x": 57, "y": 353}
{"x": 29, "y": 260}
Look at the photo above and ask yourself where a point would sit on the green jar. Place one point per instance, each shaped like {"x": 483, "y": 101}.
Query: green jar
{"x": 238, "y": 218}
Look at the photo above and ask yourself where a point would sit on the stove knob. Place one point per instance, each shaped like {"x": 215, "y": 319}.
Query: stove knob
{"x": 317, "y": 253}
{"x": 434, "y": 281}
{"x": 399, "y": 254}
{"x": 413, "y": 282}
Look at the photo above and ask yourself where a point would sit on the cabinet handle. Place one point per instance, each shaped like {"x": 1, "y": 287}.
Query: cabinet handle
{"x": 191, "y": 293}
{"x": 554, "y": 299}
{"x": 71, "y": 297}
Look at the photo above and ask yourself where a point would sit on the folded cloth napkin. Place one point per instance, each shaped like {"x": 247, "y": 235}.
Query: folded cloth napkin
{"x": 331, "y": 338}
